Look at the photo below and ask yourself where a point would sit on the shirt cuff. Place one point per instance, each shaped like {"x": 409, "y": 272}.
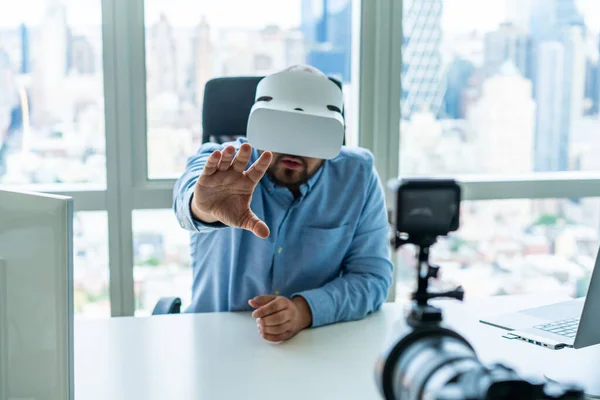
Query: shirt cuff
{"x": 187, "y": 217}
{"x": 321, "y": 306}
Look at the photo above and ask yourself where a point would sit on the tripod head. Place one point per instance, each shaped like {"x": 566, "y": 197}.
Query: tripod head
{"x": 426, "y": 209}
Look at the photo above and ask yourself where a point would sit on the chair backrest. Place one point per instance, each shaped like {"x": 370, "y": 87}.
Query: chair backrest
{"x": 226, "y": 107}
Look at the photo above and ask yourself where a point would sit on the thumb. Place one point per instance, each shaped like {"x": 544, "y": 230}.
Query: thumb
{"x": 260, "y": 301}
{"x": 253, "y": 224}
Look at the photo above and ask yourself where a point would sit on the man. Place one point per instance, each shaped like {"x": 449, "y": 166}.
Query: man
{"x": 302, "y": 241}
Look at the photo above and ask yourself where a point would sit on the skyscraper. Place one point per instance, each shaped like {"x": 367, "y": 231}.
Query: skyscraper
{"x": 460, "y": 74}
{"x": 81, "y": 56}
{"x": 327, "y": 28}
{"x": 558, "y": 22}
{"x": 202, "y": 60}
{"x": 423, "y": 75}
{"x": 271, "y": 54}
{"x": 574, "y": 78}
{"x": 595, "y": 90}
{"x": 7, "y": 89}
{"x": 508, "y": 43}
{"x": 596, "y": 98}
{"x": 591, "y": 72}
{"x": 549, "y": 154}
{"x": 518, "y": 13}
{"x": 295, "y": 49}
{"x": 50, "y": 66}
{"x": 548, "y": 16}
{"x": 161, "y": 58}
{"x": 25, "y": 61}
{"x": 504, "y": 118}
{"x": 548, "y": 19}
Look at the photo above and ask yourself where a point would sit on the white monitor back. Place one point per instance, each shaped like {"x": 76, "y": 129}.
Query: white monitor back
{"x": 36, "y": 290}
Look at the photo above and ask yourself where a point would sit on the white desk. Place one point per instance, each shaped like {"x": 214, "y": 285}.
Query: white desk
{"x": 222, "y": 356}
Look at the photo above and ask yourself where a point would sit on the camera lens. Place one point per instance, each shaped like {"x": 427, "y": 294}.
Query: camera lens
{"x": 424, "y": 362}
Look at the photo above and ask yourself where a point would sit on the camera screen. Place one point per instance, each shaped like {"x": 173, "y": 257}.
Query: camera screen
{"x": 428, "y": 211}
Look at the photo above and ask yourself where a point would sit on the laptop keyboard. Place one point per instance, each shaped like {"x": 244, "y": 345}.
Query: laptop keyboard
{"x": 567, "y": 327}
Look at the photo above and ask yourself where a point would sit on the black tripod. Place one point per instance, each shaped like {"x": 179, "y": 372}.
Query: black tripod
{"x": 421, "y": 312}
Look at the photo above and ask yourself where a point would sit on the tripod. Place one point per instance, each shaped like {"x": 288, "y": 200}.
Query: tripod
{"x": 421, "y": 312}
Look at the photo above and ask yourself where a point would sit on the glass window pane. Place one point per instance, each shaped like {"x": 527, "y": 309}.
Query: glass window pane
{"x": 91, "y": 272}
{"x": 162, "y": 259}
{"x": 51, "y": 92}
{"x": 189, "y": 43}
{"x": 514, "y": 247}
{"x": 510, "y": 87}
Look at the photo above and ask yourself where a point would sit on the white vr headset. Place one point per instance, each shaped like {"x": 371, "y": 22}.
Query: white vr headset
{"x": 297, "y": 113}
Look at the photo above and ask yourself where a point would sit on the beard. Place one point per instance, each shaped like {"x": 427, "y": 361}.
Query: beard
{"x": 286, "y": 177}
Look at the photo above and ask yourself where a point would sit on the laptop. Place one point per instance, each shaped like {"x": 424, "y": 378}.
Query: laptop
{"x": 571, "y": 323}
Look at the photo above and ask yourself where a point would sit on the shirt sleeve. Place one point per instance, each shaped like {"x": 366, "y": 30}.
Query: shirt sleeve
{"x": 184, "y": 189}
{"x": 367, "y": 269}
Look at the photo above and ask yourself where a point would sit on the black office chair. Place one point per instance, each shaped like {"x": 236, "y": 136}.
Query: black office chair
{"x": 225, "y": 111}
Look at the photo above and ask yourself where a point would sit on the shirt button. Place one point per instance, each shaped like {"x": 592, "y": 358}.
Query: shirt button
{"x": 276, "y": 292}
{"x": 279, "y": 250}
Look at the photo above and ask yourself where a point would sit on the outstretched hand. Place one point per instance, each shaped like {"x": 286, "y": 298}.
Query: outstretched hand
{"x": 224, "y": 190}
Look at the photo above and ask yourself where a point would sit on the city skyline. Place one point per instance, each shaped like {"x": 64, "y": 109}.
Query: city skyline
{"x": 456, "y": 21}
{"x": 489, "y": 128}
{"x": 171, "y": 71}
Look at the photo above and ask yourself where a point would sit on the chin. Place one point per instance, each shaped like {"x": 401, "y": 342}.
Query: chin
{"x": 290, "y": 178}
{"x": 290, "y": 182}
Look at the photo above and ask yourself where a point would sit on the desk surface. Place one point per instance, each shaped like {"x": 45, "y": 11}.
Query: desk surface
{"x": 222, "y": 356}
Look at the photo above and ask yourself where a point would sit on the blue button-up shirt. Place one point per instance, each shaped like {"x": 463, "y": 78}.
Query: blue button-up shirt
{"x": 329, "y": 245}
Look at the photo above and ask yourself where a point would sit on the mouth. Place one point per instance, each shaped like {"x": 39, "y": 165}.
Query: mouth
{"x": 292, "y": 163}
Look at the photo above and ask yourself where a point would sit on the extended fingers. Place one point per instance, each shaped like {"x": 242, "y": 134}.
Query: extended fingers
{"x": 241, "y": 158}
{"x": 212, "y": 163}
{"x": 260, "y": 166}
{"x": 226, "y": 158}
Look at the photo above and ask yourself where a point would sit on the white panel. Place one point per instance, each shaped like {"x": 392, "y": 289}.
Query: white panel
{"x": 3, "y": 332}
{"x": 85, "y": 197}
{"x": 36, "y": 243}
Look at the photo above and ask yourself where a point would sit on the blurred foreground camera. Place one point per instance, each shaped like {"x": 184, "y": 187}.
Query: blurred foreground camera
{"x": 430, "y": 360}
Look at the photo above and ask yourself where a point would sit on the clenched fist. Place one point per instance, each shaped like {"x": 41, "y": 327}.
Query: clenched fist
{"x": 279, "y": 318}
{"x": 224, "y": 190}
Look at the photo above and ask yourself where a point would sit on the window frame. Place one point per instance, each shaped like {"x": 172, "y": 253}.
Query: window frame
{"x": 378, "y": 89}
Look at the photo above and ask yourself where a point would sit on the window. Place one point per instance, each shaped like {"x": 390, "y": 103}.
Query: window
{"x": 515, "y": 247}
{"x": 52, "y": 134}
{"x": 512, "y": 91}
{"x": 263, "y": 62}
{"x": 91, "y": 275}
{"x": 506, "y": 102}
{"x": 505, "y": 93}
{"x": 51, "y": 93}
{"x": 189, "y": 43}
{"x": 162, "y": 259}
{"x": 101, "y": 101}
